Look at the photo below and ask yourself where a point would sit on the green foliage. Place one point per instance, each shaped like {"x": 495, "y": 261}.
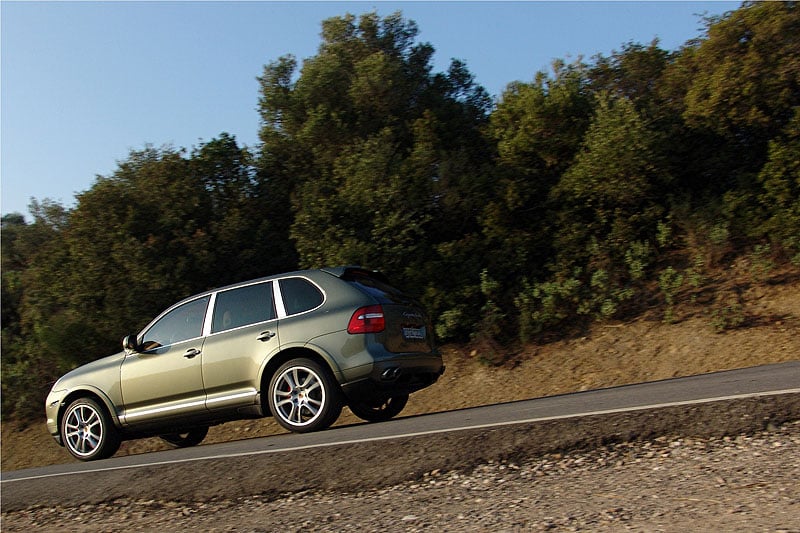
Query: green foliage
{"x": 493, "y": 322}
{"x": 538, "y": 128}
{"x": 727, "y": 312}
{"x": 607, "y": 218}
{"x": 780, "y": 196}
{"x": 26, "y": 382}
{"x": 607, "y": 194}
{"x": 635, "y": 73}
{"x": 747, "y": 72}
{"x": 670, "y": 282}
{"x": 547, "y": 305}
{"x": 696, "y": 273}
{"x": 761, "y": 262}
{"x": 384, "y": 160}
{"x": 450, "y": 323}
{"x": 637, "y": 258}
{"x": 663, "y": 234}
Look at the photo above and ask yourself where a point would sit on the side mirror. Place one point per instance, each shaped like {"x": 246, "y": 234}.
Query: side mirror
{"x": 129, "y": 344}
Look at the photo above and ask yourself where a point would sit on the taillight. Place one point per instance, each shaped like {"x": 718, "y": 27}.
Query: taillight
{"x": 368, "y": 319}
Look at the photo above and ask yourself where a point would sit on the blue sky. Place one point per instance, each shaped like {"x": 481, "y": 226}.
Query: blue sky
{"x": 84, "y": 83}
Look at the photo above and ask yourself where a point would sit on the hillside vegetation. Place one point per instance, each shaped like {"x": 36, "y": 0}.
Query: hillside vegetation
{"x": 602, "y": 191}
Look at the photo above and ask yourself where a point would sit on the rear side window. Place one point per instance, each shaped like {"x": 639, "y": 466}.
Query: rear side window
{"x": 243, "y": 306}
{"x": 299, "y": 295}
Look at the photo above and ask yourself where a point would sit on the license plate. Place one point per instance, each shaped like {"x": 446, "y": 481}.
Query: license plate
{"x": 417, "y": 334}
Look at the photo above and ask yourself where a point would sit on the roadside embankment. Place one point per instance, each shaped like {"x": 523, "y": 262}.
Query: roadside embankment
{"x": 373, "y": 465}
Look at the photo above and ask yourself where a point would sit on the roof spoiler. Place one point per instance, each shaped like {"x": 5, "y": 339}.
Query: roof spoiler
{"x": 351, "y": 271}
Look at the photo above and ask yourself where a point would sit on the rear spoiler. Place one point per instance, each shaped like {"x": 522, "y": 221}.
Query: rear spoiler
{"x": 350, "y": 272}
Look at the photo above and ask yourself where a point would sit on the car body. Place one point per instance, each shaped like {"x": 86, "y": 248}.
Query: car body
{"x": 297, "y": 346}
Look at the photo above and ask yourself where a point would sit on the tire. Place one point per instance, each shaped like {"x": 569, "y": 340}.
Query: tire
{"x": 88, "y": 432}
{"x": 193, "y": 437}
{"x": 304, "y": 397}
{"x": 379, "y": 410}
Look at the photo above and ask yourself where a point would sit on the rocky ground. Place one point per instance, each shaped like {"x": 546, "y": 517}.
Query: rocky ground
{"x": 734, "y": 483}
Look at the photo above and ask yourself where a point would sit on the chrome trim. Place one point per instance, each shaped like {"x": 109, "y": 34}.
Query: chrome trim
{"x": 195, "y": 403}
{"x": 251, "y": 392}
{"x": 209, "y": 314}
{"x": 277, "y": 295}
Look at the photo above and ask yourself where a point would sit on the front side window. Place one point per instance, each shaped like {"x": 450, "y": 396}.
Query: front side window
{"x": 300, "y": 295}
{"x": 182, "y": 323}
{"x": 235, "y": 308}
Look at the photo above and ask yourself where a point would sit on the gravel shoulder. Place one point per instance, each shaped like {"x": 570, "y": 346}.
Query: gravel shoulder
{"x": 733, "y": 463}
{"x": 746, "y": 482}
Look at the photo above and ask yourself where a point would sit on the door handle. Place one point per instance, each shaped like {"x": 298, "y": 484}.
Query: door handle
{"x": 266, "y": 335}
{"x": 191, "y": 353}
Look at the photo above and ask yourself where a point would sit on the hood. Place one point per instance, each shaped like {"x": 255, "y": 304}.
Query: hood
{"x": 78, "y": 375}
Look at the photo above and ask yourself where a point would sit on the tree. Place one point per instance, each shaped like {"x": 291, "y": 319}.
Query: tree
{"x": 383, "y": 159}
{"x": 247, "y": 232}
{"x": 741, "y": 86}
{"x": 635, "y": 73}
{"x": 609, "y": 205}
{"x": 32, "y": 295}
{"x": 746, "y": 79}
{"x": 780, "y": 198}
{"x": 538, "y": 128}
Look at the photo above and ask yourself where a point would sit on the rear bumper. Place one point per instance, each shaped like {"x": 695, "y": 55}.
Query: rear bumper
{"x": 400, "y": 374}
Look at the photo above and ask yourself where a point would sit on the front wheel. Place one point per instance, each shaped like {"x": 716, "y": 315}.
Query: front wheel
{"x": 304, "y": 397}
{"x": 193, "y": 437}
{"x": 379, "y": 410}
{"x": 88, "y": 432}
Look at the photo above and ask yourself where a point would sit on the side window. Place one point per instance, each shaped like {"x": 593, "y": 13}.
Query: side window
{"x": 180, "y": 324}
{"x": 299, "y": 295}
{"x": 243, "y": 306}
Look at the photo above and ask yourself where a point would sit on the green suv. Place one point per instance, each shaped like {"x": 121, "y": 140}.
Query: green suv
{"x": 297, "y": 346}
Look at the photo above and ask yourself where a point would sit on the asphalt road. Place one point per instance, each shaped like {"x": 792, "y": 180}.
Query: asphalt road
{"x": 32, "y": 486}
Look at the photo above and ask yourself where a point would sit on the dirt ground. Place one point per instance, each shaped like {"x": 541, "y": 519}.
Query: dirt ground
{"x": 606, "y": 355}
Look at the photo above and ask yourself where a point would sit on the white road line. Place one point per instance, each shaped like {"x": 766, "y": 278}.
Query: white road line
{"x": 421, "y": 433}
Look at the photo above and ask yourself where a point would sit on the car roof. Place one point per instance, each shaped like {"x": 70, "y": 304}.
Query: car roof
{"x": 337, "y": 271}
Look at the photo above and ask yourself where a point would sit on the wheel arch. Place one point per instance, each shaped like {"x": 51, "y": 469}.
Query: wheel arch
{"x": 294, "y": 352}
{"x": 94, "y": 394}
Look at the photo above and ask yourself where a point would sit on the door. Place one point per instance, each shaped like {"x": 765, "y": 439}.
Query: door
{"x": 244, "y": 332}
{"x": 165, "y": 378}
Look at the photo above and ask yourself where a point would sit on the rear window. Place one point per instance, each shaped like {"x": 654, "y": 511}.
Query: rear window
{"x": 377, "y": 286}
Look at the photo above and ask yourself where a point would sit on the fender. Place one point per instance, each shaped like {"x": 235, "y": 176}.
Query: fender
{"x": 116, "y": 417}
{"x": 285, "y": 352}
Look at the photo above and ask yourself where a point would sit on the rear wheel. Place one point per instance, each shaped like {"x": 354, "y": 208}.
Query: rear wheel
{"x": 193, "y": 437}
{"x": 304, "y": 397}
{"x": 88, "y": 432}
{"x": 379, "y": 410}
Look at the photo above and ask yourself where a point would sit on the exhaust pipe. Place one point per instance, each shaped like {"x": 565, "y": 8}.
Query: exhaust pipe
{"x": 391, "y": 374}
